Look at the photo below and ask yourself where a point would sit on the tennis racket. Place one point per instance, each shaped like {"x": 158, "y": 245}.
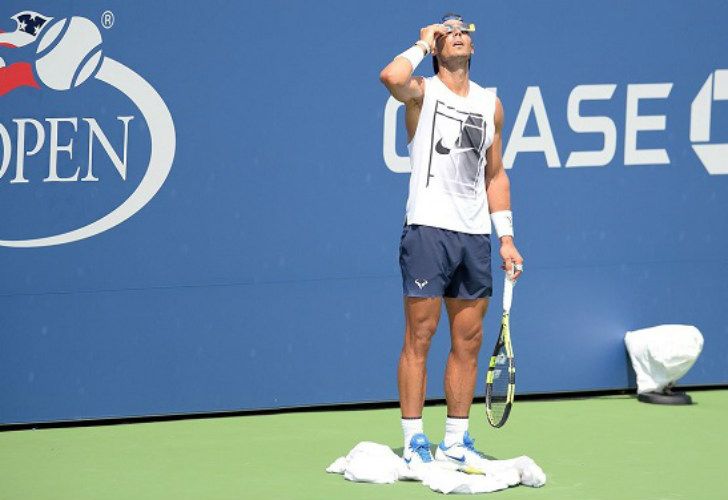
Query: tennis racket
{"x": 500, "y": 380}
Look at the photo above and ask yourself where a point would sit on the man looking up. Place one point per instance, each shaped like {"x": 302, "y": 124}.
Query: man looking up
{"x": 457, "y": 188}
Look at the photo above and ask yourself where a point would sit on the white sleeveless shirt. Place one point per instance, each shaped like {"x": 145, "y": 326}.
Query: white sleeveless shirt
{"x": 447, "y": 155}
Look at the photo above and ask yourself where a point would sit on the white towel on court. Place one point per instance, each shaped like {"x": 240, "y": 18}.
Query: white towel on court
{"x": 370, "y": 462}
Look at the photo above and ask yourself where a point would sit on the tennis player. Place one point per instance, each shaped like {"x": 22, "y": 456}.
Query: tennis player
{"x": 458, "y": 191}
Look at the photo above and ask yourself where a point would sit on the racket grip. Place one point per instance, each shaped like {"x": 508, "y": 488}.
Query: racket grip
{"x": 508, "y": 293}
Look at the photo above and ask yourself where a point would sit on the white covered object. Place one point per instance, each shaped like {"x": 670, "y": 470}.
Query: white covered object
{"x": 370, "y": 462}
{"x": 662, "y": 354}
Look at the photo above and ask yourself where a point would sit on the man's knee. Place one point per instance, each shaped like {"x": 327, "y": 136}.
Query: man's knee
{"x": 419, "y": 336}
{"x": 466, "y": 342}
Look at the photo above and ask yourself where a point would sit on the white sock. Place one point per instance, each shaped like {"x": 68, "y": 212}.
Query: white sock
{"x": 410, "y": 427}
{"x": 455, "y": 429}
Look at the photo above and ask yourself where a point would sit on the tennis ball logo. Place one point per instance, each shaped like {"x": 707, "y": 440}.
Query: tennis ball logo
{"x": 70, "y": 52}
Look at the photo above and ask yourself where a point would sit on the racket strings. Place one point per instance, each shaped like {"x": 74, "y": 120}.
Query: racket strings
{"x": 499, "y": 386}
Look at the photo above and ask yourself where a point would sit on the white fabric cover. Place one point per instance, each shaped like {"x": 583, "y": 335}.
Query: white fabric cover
{"x": 662, "y": 354}
{"x": 370, "y": 462}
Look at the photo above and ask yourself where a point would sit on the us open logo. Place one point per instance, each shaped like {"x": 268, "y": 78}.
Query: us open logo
{"x": 61, "y": 55}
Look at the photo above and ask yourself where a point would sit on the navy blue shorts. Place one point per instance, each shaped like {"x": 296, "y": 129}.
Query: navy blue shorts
{"x": 442, "y": 263}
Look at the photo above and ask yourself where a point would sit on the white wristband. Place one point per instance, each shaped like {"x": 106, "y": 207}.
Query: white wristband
{"x": 503, "y": 223}
{"x": 414, "y": 55}
{"x": 424, "y": 46}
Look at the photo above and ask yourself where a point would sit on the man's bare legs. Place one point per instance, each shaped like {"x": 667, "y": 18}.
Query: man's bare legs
{"x": 461, "y": 372}
{"x": 466, "y": 334}
{"x": 466, "y": 337}
{"x": 421, "y": 318}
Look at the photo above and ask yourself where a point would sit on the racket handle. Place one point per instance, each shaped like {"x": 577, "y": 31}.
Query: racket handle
{"x": 508, "y": 293}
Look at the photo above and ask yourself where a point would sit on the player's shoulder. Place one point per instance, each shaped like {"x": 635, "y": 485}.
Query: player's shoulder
{"x": 486, "y": 93}
{"x": 490, "y": 98}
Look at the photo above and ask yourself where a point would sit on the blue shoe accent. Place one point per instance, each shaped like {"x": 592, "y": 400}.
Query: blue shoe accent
{"x": 469, "y": 442}
{"x": 421, "y": 445}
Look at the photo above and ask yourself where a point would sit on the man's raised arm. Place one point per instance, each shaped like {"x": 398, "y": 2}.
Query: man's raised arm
{"x": 397, "y": 75}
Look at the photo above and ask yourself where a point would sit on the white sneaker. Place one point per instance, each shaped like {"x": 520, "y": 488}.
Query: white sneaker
{"x": 461, "y": 454}
{"x": 466, "y": 458}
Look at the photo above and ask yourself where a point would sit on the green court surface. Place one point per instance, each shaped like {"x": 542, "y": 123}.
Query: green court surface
{"x": 591, "y": 449}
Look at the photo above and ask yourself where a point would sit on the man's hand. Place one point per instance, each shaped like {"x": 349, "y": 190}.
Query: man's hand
{"x": 510, "y": 256}
{"x": 429, "y": 34}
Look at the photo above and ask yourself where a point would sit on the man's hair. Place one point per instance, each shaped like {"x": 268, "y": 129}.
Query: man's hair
{"x": 447, "y": 17}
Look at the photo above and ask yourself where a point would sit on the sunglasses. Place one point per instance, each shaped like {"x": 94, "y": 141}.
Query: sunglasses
{"x": 464, "y": 28}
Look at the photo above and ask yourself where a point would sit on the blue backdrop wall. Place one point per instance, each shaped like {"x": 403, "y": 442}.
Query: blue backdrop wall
{"x": 256, "y": 263}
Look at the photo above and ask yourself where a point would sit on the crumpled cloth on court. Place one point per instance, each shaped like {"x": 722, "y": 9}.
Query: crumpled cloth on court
{"x": 662, "y": 354}
{"x": 370, "y": 462}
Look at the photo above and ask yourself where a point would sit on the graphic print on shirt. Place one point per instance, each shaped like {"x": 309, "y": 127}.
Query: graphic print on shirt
{"x": 456, "y": 156}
